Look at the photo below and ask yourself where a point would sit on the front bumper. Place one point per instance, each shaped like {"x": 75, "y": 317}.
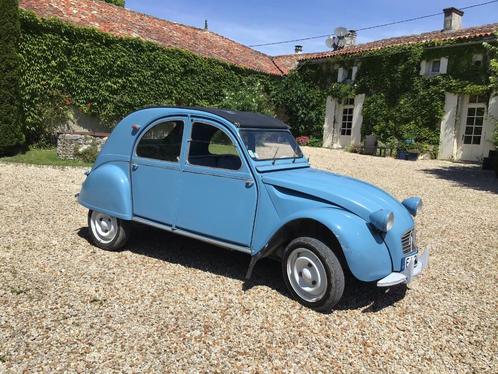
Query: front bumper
{"x": 413, "y": 269}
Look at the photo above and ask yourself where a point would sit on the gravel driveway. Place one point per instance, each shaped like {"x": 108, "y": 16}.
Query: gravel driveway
{"x": 170, "y": 303}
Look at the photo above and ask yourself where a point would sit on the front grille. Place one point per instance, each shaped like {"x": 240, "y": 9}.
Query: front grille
{"x": 408, "y": 241}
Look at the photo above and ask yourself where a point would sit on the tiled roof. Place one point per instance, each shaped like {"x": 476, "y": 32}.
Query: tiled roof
{"x": 289, "y": 62}
{"x": 122, "y": 22}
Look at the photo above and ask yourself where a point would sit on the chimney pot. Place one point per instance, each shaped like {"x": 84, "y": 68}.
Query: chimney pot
{"x": 298, "y": 49}
{"x": 452, "y": 19}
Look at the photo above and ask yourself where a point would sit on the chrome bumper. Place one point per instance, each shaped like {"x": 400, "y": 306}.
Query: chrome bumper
{"x": 413, "y": 269}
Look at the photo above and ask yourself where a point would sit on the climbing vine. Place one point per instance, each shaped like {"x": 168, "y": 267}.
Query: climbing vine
{"x": 400, "y": 103}
{"x": 65, "y": 67}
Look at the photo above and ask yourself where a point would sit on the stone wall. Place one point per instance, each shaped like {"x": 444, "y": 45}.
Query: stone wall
{"x": 70, "y": 146}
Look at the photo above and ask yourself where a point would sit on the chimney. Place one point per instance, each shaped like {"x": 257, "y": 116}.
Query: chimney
{"x": 298, "y": 49}
{"x": 452, "y": 19}
{"x": 350, "y": 38}
{"x": 206, "y": 25}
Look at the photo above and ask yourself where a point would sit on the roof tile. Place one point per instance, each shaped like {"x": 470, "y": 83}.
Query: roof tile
{"x": 123, "y": 22}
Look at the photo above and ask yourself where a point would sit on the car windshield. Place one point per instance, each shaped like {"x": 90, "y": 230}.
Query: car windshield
{"x": 270, "y": 144}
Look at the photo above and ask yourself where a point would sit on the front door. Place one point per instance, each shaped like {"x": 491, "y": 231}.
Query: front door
{"x": 472, "y": 129}
{"x": 344, "y": 123}
{"x": 218, "y": 195}
{"x": 156, "y": 171}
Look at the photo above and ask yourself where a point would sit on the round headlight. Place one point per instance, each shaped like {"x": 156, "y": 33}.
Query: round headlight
{"x": 382, "y": 220}
{"x": 413, "y": 205}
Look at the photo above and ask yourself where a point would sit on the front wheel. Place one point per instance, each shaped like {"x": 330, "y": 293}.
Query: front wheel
{"x": 107, "y": 232}
{"x": 313, "y": 274}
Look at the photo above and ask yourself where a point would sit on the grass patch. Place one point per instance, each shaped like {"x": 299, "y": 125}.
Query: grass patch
{"x": 42, "y": 157}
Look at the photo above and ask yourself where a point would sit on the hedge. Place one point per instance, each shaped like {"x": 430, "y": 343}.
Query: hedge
{"x": 11, "y": 135}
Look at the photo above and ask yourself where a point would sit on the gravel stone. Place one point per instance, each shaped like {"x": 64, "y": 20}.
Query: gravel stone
{"x": 169, "y": 303}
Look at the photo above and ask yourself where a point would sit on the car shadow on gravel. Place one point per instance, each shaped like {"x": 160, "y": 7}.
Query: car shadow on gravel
{"x": 191, "y": 253}
{"x": 467, "y": 176}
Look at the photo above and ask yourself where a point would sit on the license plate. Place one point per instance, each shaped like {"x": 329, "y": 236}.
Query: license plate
{"x": 409, "y": 260}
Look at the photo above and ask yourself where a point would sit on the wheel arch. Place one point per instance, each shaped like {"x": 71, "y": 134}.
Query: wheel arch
{"x": 358, "y": 246}
{"x": 107, "y": 190}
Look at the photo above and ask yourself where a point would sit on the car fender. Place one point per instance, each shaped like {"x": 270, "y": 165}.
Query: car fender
{"x": 107, "y": 190}
{"x": 366, "y": 254}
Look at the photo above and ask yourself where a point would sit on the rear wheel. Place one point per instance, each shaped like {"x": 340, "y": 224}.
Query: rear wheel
{"x": 107, "y": 232}
{"x": 313, "y": 274}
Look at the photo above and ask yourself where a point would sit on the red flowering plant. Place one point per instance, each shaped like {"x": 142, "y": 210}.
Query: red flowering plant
{"x": 303, "y": 140}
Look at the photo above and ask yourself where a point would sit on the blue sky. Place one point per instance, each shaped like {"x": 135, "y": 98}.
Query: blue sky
{"x": 259, "y": 21}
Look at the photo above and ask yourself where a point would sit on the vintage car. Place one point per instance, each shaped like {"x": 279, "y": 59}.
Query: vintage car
{"x": 240, "y": 181}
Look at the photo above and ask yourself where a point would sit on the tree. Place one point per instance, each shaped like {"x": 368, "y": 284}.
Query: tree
{"x": 116, "y": 2}
{"x": 11, "y": 135}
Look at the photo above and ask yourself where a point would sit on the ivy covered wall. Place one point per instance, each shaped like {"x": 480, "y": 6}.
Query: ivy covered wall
{"x": 400, "y": 103}
{"x": 63, "y": 66}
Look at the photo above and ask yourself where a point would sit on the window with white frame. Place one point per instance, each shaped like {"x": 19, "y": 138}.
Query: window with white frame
{"x": 475, "y": 118}
{"x": 347, "y": 116}
{"x": 435, "y": 66}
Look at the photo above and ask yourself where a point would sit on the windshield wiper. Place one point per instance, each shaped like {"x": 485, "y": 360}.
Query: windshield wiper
{"x": 275, "y": 157}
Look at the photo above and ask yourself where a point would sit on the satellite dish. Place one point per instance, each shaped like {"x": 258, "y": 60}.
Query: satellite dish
{"x": 330, "y": 41}
{"x": 341, "y": 32}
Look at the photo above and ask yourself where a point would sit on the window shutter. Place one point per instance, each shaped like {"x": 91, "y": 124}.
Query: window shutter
{"x": 355, "y": 70}
{"x": 443, "y": 68}
{"x": 423, "y": 67}
{"x": 340, "y": 75}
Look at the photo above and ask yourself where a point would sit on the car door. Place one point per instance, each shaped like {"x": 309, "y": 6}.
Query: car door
{"x": 155, "y": 171}
{"x": 218, "y": 194}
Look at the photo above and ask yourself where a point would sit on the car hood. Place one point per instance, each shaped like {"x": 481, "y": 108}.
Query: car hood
{"x": 356, "y": 196}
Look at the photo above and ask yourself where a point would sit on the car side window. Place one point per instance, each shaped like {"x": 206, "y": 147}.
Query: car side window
{"x": 212, "y": 147}
{"x": 162, "y": 142}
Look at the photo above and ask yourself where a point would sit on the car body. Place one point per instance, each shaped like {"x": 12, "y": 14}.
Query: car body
{"x": 240, "y": 181}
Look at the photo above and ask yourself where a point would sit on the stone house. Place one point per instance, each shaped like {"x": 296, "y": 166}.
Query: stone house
{"x": 466, "y": 128}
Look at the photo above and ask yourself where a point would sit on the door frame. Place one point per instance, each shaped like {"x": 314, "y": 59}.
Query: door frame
{"x": 462, "y": 126}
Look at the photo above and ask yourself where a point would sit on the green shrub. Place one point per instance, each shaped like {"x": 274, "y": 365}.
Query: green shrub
{"x": 11, "y": 136}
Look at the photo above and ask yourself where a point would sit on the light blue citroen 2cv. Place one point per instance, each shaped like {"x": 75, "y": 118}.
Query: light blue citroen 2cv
{"x": 239, "y": 180}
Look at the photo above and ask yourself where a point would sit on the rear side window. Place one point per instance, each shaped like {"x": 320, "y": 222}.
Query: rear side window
{"x": 162, "y": 142}
{"x": 211, "y": 147}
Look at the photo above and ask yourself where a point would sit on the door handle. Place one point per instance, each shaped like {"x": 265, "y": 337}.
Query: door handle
{"x": 134, "y": 167}
{"x": 249, "y": 183}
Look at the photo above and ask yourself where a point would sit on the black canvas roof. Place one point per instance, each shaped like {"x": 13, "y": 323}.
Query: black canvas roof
{"x": 240, "y": 119}
{"x": 247, "y": 119}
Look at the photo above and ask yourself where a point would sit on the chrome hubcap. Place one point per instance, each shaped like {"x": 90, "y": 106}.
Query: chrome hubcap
{"x": 103, "y": 227}
{"x": 306, "y": 274}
